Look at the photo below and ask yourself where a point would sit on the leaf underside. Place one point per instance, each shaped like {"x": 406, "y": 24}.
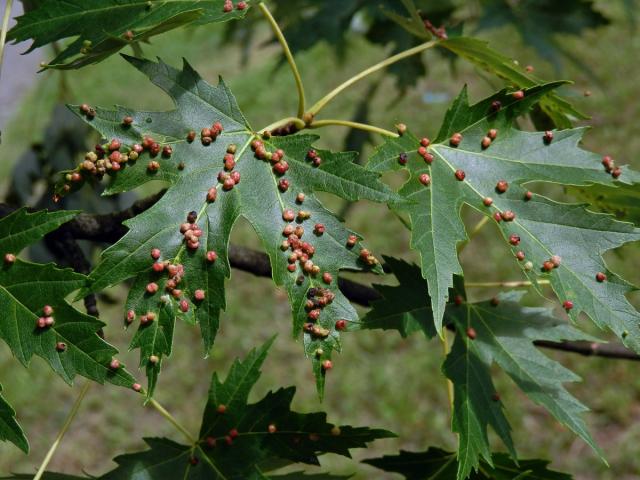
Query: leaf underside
{"x": 100, "y": 29}
{"x": 542, "y": 228}
{"x": 191, "y": 170}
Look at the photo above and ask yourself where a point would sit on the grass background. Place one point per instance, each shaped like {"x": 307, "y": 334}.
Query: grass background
{"x": 380, "y": 379}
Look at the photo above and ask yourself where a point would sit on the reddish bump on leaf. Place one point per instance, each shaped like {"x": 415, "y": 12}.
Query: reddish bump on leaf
{"x": 198, "y": 295}
{"x": 210, "y": 442}
{"x": 233, "y": 433}
{"x": 212, "y": 194}
{"x": 514, "y": 239}
{"x": 460, "y": 175}
{"x": 288, "y": 215}
{"x": 556, "y": 260}
{"x": 496, "y": 105}
{"x": 492, "y": 134}
{"x": 184, "y": 306}
{"x": 402, "y": 158}
{"x": 455, "y": 139}
{"x": 318, "y": 229}
{"x": 518, "y": 95}
{"x": 616, "y": 172}
{"x": 548, "y": 137}
{"x": 154, "y": 359}
{"x": 497, "y": 217}
{"x": 601, "y": 277}
{"x": 425, "y": 142}
{"x": 520, "y": 255}
{"x": 351, "y": 241}
{"x": 486, "y": 142}
{"x": 291, "y": 268}
{"x": 153, "y": 166}
{"x": 61, "y": 347}
{"x": 136, "y": 387}
{"x": 47, "y": 310}
{"x": 211, "y": 256}
{"x": 341, "y": 325}
{"x": 502, "y": 186}
{"x": 471, "y": 333}
{"x": 487, "y": 201}
{"x": 424, "y": 179}
{"x": 191, "y": 136}
{"x": 528, "y": 196}
{"x": 114, "y": 364}
{"x": 152, "y": 287}
{"x": 272, "y": 428}
{"x": 131, "y": 315}
{"x": 327, "y": 278}
{"x": 327, "y": 365}
{"x": 283, "y": 185}
{"x": 222, "y": 408}
{"x": 567, "y": 305}
{"x": 508, "y": 216}
{"x": 158, "y": 267}
{"x": 548, "y": 266}
{"x": 155, "y": 253}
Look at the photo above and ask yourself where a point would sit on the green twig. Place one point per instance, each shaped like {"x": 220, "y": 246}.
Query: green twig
{"x": 5, "y": 28}
{"x": 287, "y": 53}
{"x": 320, "y": 104}
{"x": 163, "y": 411}
{"x": 350, "y": 124}
{"x": 65, "y": 427}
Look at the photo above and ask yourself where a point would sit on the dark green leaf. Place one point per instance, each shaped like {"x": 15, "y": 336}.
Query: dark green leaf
{"x": 236, "y": 441}
{"x": 546, "y": 228}
{"x": 10, "y": 430}
{"x": 620, "y": 200}
{"x": 561, "y": 112}
{"x": 539, "y": 22}
{"x": 100, "y": 29}
{"x": 257, "y": 198}
{"x": 25, "y": 289}
{"x": 437, "y": 464}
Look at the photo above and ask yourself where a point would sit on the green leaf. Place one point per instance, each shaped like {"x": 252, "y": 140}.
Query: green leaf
{"x": 239, "y": 440}
{"x": 21, "y": 228}
{"x": 25, "y": 289}
{"x": 620, "y": 200}
{"x": 561, "y": 112}
{"x": 438, "y": 464}
{"x": 99, "y": 28}
{"x": 546, "y": 228}
{"x": 190, "y": 171}
{"x": 405, "y": 307}
{"x": 10, "y": 430}
{"x": 538, "y": 22}
{"x": 504, "y": 334}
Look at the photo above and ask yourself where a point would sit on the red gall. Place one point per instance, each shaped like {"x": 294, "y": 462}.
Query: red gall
{"x": 497, "y": 217}
{"x": 61, "y": 346}
{"x": 283, "y": 185}
{"x": 402, "y": 158}
{"x": 115, "y": 364}
{"x": 158, "y": 267}
{"x": 272, "y": 428}
{"x": 455, "y": 139}
{"x": 528, "y": 196}
{"x": 502, "y": 186}
{"x": 228, "y": 184}
{"x": 222, "y": 408}
{"x": 548, "y": 137}
{"x": 198, "y": 295}
{"x": 191, "y": 136}
{"x": 153, "y": 166}
{"x": 616, "y": 172}
{"x": 210, "y": 441}
{"x": 167, "y": 151}
{"x": 514, "y": 239}
{"x": 152, "y": 287}
{"x": 460, "y": 175}
{"x": 154, "y": 359}
{"x": 486, "y": 142}
{"x": 487, "y": 201}
{"x": 47, "y": 310}
{"x": 471, "y": 333}
{"x": 424, "y": 179}
{"x": 318, "y": 228}
{"x": 548, "y": 266}
{"x": 136, "y": 387}
{"x": 492, "y": 134}
{"x": 496, "y": 105}
{"x": 601, "y": 277}
{"x": 567, "y": 305}
{"x": 327, "y": 365}
{"x": 520, "y": 255}
{"x": 212, "y": 194}
{"x": 556, "y": 260}
{"x": 508, "y": 216}
{"x": 425, "y": 142}
{"x": 211, "y": 256}
{"x": 401, "y": 128}
{"x": 327, "y": 278}
{"x": 288, "y": 215}
{"x": 127, "y": 121}
{"x": 184, "y": 306}
{"x": 518, "y": 95}
{"x": 341, "y": 325}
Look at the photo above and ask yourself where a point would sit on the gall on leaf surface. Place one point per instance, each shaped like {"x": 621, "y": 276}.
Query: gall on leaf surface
{"x": 190, "y": 171}
{"x": 546, "y": 228}
{"x": 438, "y": 464}
{"x": 25, "y": 289}
{"x": 240, "y": 440}
{"x": 104, "y": 27}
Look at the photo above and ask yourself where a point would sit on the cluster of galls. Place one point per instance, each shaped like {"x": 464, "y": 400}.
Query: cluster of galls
{"x": 228, "y": 177}
{"x": 208, "y": 135}
{"x": 191, "y": 231}
{"x": 228, "y": 6}
{"x": 317, "y": 299}
{"x": 439, "y": 32}
{"x": 46, "y": 320}
{"x": 609, "y": 166}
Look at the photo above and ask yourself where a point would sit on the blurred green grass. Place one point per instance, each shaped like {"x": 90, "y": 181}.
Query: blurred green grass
{"x": 380, "y": 379}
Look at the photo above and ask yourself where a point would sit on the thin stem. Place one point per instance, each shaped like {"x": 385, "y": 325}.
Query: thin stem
{"x": 5, "y": 28}
{"x": 513, "y": 284}
{"x": 445, "y": 351}
{"x": 65, "y": 427}
{"x": 163, "y": 411}
{"x": 283, "y": 121}
{"x": 350, "y": 124}
{"x": 137, "y": 50}
{"x": 288, "y": 55}
{"x": 320, "y": 104}
{"x": 474, "y": 231}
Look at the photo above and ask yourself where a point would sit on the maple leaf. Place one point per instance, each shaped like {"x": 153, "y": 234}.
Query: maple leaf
{"x": 239, "y": 440}
{"x": 562, "y": 243}
{"x": 25, "y": 289}
{"x": 103, "y": 27}
{"x": 270, "y": 200}
{"x": 499, "y": 331}
{"x": 438, "y": 464}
